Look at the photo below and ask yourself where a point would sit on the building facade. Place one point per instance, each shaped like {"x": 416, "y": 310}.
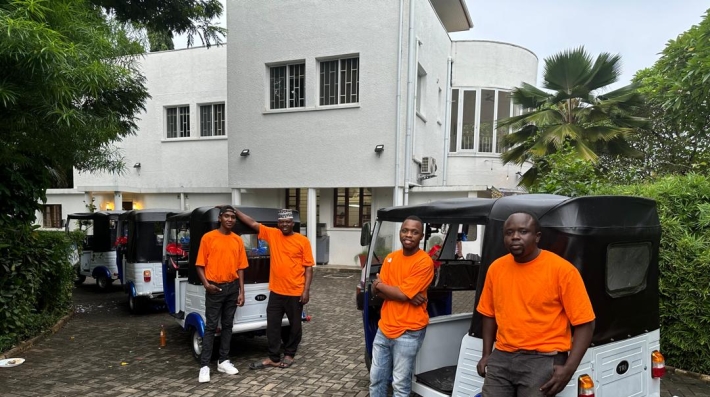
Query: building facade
{"x": 332, "y": 108}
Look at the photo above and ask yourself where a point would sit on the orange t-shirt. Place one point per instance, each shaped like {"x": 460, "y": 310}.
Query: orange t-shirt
{"x": 412, "y": 275}
{"x": 221, "y": 255}
{"x": 534, "y": 303}
{"x": 290, "y": 255}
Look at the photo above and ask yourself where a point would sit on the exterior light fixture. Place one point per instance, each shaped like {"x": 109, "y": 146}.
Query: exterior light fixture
{"x": 244, "y": 153}
{"x": 379, "y": 149}
{"x": 137, "y": 165}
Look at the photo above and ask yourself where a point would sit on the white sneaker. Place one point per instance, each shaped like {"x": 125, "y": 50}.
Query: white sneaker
{"x": 204, "y": 374}
{"x": 227, "y": 367}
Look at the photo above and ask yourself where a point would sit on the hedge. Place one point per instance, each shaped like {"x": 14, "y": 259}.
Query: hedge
{"x": 684, "y": 210}
{"x": 36, "y": 282}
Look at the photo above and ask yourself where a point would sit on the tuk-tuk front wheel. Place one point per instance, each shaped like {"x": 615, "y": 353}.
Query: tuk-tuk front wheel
{"x": 135, "y": 304}
{"x": 196, "y": 344}
{"x": 103, "y": 282}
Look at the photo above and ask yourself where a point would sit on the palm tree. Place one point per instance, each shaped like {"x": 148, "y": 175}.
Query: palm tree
{"x": 573, "y": 111}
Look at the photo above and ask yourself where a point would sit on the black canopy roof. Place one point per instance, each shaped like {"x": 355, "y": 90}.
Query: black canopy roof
{"x": 460, "y": 210}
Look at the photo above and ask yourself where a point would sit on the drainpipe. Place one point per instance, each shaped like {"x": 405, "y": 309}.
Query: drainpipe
{"x": 396, "y": 197}
{"x": 447, "y": 117}
{"x": 412, "y": 57}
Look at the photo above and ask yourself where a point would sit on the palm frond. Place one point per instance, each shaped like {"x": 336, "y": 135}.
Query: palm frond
{"x": 584, "y": 152}
{"x": 558, "y": 134}
{"x": 516, "y": 155}
{"x": 566, "y": 70}
{"x": 606, "y": 133}
{"x": 539, "y": 117}
{"x": 529, "y": 96}
{"x": 606, "y": 70}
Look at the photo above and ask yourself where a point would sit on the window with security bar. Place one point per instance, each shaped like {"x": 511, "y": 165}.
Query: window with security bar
{"x": 52, "y": 216}
{"x": 287, "y": 86}
{"x": 339, "y": 81}
{"x": 178, "y": 121}
{"x": 212, "y": 120}
{"x": 353, "y": 206}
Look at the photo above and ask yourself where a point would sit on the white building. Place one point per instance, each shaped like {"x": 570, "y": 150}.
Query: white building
{"x": 335, "y": 108}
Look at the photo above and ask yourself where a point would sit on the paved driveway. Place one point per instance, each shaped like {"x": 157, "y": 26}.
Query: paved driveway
{"x": 104, "y": 350}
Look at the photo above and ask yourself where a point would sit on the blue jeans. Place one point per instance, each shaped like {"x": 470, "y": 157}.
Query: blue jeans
{"x": 394, "y": 358}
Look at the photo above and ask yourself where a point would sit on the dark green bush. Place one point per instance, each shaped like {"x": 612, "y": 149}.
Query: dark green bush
{"x": 35, "y": 282}
{"x": 684, "y": 210}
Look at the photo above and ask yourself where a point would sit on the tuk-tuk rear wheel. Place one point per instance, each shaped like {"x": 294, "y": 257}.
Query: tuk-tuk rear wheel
{"x": 79, "y": 280}
{"x": 103, "y": 283}
{"x": 196, "y": 344}
{"x": 135, "y": 304}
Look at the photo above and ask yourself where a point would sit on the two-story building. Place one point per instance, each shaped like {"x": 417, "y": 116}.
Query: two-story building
{"x": 334, "y": 108}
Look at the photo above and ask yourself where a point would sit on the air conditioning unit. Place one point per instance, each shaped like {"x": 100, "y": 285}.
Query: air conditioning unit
{"x": 428, "y": 166}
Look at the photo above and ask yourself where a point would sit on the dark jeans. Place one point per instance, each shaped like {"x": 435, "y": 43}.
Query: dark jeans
{"x": 275, "y": 310}
{"x": 519, "y": 374}
{"x": 221, "y": 305}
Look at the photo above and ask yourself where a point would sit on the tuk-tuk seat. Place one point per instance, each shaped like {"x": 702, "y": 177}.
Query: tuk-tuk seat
{"x": 456, "y": 274}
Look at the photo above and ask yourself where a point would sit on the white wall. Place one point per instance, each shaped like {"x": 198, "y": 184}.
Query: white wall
{"x": 492, "y": 64}
{"x": 312, "y": 146}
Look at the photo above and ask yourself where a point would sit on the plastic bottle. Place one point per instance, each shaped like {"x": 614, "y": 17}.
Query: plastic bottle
{"x": 163, "y": 337}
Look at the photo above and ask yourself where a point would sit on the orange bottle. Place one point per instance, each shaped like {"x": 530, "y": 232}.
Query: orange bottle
{"x": 163, "y": 337}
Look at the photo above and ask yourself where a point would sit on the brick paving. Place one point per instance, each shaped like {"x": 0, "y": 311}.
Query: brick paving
{"x": 105, "y": 350}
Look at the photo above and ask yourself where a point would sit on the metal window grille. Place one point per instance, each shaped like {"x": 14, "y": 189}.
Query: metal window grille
{"x": 349, "y": 80}
{"x": 206, "y": 120}
{"x": 212, "y": 120}
{"x": 297, "y": 85}
{"x": 218, "y": 114}
{"x": 184, "y": 122}
{"x": 329, "y": 82}
{"x": 277, "y": 87}
{"x": 171, "y": 115}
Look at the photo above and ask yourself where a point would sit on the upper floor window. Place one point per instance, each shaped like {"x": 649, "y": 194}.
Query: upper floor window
{"x": 212, "y": 120}
{"x": 353, "y": 206}
{"x": 474, "y": 117}
{"x": 340, "y": 81}
{"x": 52, "y": 216}
{"x": 178, "y": 121}
{"x": 287, "y": 86}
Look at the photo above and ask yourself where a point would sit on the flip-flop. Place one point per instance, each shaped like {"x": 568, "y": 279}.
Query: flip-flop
{"x": 257, "y": 365}
{"x": 286, "y": 362}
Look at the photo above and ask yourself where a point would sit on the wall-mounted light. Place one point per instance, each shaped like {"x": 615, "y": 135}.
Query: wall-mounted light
{"x": 137, "y": 165}
{"x": 379, "y": 149}
{"x": 244, "y": 153}
{"x": 109, "y": 207}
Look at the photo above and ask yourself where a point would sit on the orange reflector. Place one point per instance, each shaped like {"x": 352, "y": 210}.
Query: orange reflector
{"x": 146, "y": 276}
{"x": 585, "y": 386}
{"x": 658, "y": 364}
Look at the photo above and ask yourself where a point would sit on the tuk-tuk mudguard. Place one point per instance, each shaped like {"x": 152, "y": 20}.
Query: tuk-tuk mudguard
{"x": 101, "y": 271}
{"x": 194, "y": 320}
{"x": 131, "y": 289}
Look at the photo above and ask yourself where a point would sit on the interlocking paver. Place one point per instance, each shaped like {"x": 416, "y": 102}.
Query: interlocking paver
{"x": 105, "y": 350}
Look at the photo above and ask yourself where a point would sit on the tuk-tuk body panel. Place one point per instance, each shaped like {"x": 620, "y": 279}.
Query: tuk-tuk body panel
{"x": 98, "y": 254}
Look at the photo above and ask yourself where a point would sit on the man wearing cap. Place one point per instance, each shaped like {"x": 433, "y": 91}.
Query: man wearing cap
{"x": 289, "y": 282}
{"x": 220, "y": 265}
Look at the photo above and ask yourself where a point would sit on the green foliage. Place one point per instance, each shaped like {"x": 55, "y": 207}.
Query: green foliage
{"x": 572, "y": 112}
{"x": 684, "y": 266}
{"x": 36, "y": 281}
{"x": 676, "y": 88}
{"x": 566, "y": 174}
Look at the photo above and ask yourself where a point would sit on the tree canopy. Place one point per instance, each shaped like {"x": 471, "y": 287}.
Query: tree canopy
{"x": 572, "y": 110}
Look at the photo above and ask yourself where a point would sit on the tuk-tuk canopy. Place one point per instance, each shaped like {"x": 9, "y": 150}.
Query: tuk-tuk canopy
{"x": 144, "y": 230}
{"x": 104, "y": 228}
{"x": 459, "y": 210}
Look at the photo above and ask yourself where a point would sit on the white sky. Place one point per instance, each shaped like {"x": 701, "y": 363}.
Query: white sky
{"x": 638, "y": 30}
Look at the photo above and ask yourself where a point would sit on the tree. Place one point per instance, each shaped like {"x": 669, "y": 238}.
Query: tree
{"x": 677, "y": 92}
{"x": 574, "y": 112}
{"x": 564, "y": 173}
{"x": 70, "y": 89}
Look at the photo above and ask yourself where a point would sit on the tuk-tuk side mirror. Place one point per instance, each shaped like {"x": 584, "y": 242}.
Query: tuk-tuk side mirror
{"x": 365, "y": 234}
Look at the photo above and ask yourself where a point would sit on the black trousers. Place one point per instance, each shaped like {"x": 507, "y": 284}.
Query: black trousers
{"x": 220, "y": 306}
{"x": 278, "y": 306}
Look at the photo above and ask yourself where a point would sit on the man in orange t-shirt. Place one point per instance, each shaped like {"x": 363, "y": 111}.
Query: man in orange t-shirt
{"x": 529, "y": 300}
{"x": 402, "y": 283}
{"x": 290, "y": 276}
{"x": 220, "y": 265}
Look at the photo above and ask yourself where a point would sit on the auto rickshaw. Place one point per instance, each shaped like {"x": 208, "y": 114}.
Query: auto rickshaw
{"x": 140, "y": 248}
{"x": 184, "y": 293}
{"x": 612, "y": 240}
{"x": 98, "y": 253}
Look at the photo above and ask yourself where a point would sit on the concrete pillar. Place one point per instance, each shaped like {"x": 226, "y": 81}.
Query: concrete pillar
{"x": 236, "y": 196}
{"x": 117, "y": 201}
{"x": 88, "y": 197}
{"x": 312, "y": 216}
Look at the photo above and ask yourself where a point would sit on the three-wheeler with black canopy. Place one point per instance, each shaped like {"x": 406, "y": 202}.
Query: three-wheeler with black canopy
{"x": 612, "y": 240}
{"x": 140, "y": 250}
{"x": 98, "y": 253}
{"x": 184, "y": 293}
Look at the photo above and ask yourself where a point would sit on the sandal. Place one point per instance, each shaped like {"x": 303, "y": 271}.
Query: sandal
{"x": 286, "y": 362}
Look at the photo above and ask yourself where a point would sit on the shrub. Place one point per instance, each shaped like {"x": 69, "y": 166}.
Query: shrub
{"x": 35, "y": 282}
{"x": 684, "y": 210}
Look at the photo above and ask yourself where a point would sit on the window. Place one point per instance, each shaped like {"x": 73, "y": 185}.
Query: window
{"x": 178, "y": 122}
{"x": 353, "y": 206}
{"x": 297, "y": 199}
{"x": 212, "y": 120}
{"x": 340, "y": 81}
{"x": 474, "y": 116}
{"x": 627, "y": 268}
{"x": 52, "y": 216}
{"x": 421, "y": 89}
{"x": 287, "y": 86}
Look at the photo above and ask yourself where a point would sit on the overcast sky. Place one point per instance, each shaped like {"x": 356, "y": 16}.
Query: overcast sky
{"x": 638, "y": 30}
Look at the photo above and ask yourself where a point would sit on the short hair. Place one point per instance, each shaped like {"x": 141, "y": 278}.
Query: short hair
{"x": 415, "y": 218}
{"x": 535, "y": 221}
